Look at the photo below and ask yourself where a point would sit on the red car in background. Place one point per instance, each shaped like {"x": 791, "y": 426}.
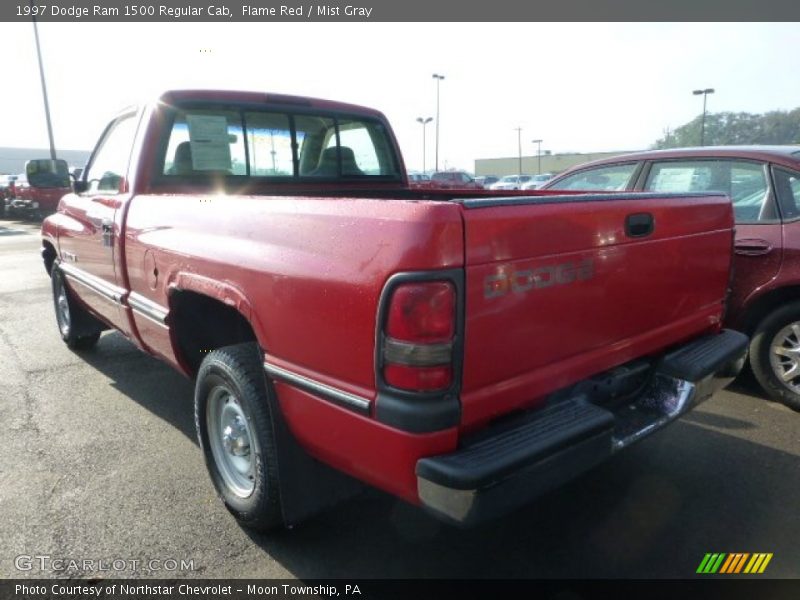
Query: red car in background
{"x": 6, "y": 191}
{"x": 454, "y": 180}
{"x": 38, "y": 191}
{"x": 764, "y": 185}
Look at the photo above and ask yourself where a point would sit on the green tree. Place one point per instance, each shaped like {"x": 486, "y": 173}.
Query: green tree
{"x": 728, "y": 128}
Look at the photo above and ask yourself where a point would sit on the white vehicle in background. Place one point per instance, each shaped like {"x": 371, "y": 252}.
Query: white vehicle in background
{"x": 537, "y": 181}
{"x": 486, "y": 180}
{"x": 510, "y": 182}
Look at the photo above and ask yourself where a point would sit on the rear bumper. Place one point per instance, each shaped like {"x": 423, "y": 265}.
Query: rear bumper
{"x": 508, "y": 465}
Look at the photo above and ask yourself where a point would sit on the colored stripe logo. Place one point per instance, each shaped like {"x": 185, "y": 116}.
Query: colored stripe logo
{"x": 734, "y": 563}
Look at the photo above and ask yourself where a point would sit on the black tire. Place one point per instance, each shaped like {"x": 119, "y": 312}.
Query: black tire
{"x": 768, "y": 366}
{"x": 78, "y": 329}
{"x": 231, "y": 390}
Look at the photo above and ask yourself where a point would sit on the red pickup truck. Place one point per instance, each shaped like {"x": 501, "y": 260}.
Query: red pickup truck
{"x": 39, "y": 191}
{"x": 462, "y": 350}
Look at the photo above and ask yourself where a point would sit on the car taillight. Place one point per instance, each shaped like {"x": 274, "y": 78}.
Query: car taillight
{"x": 418, "y": 336}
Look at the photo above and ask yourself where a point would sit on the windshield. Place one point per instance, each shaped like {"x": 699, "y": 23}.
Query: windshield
{"x": 509, "y": 179}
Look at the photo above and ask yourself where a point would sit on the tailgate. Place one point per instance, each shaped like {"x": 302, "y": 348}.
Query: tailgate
{"x": 559, "y": 288}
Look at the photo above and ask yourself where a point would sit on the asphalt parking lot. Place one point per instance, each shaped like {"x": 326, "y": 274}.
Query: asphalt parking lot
{"x": 98, "y": 461}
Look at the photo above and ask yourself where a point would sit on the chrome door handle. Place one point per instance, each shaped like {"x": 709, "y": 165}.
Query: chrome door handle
{"x": 107, "y": 227}
{"x": 752, "y": 247}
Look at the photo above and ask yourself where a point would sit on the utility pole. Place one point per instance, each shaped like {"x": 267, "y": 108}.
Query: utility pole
{"x": 538, "y": 155}
{"x": 519, "y": 148}
{"x": 439, "y": 79}
{"x": 667, "y": 133}
{"x": 44, "y": 86}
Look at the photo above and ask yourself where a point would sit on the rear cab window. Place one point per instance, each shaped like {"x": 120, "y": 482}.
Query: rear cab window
{"x": 243, "y": 143}
{"x": 744, "y": 182}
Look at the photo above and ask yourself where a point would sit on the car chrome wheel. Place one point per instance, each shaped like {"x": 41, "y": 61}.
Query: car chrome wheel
{"x": 232, "y": 444}
{"x": 62, "y": 310}
{"x": 784, "y": 356}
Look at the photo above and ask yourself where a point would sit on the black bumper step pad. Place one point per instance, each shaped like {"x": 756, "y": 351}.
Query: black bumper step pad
{"x": 704, "y": 356}
{"x": 511, "y": 446}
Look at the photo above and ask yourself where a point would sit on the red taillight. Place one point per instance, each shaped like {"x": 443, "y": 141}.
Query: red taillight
{"x": 419, "y": 379}
{"x": 419, "y": 335}
{"x": 422, "y": 312}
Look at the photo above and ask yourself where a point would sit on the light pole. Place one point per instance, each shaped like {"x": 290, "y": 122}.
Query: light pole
{"x": 424, "y": 123}
{"x": 44, "y": 87}
{"x": 519, "y": 148}
{"x": 538, "y": 154}
{"x": 705, "y": 93}
{"x": 438, "y": 79}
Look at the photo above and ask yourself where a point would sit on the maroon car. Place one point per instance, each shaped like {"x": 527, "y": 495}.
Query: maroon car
{"x": 764, "y": 184}
{"x": 454, "y": 180}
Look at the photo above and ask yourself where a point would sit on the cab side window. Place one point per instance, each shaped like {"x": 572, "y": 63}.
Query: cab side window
{"x": 110, "y": 162}
{"x": 601, "y": 179}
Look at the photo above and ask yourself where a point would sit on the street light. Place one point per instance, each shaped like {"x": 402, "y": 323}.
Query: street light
{"x": 438, "y": 79}
{"x": 424, "y": 122}
{"x": 519, "y": 148}
{"x": 538, "y": 154}
{"x": 705, "y": 94}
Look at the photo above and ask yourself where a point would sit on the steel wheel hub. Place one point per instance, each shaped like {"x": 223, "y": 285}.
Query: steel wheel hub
{"x": 231, "y": 441}
{"x": 235, "y": 438}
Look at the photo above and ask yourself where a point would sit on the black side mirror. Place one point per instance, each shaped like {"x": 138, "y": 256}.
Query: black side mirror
{"x": 79, "y": 186}
{"x": 47, "y": 172}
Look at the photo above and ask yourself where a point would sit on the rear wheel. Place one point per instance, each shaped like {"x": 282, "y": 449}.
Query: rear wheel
{"x": 74, "y": 323}
{"x": 235, "y": 430}
{"x": 775, "y": 355}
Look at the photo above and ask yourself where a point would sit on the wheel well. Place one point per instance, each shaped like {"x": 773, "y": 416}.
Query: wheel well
{"x": 200, "y": 324}
{"x": 765, "y": 305}
{"x": 49, "y": 256}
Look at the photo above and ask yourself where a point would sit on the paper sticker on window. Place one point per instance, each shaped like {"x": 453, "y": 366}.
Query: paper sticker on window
{"x": 678, "y": 179}
{"x": 208, "y": 136}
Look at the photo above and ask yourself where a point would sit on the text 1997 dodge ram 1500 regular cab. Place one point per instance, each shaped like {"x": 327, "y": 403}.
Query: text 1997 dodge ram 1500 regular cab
{"x": 462, "y": 350}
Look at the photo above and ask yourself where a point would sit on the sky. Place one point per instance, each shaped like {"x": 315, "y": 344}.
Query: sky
{"x": 579, "y": 87}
